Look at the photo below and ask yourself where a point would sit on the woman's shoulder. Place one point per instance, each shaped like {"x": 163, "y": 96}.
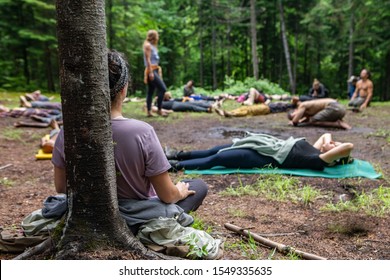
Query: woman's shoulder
{"x": 147, "y": 45}
{"x": 130, "y": 122}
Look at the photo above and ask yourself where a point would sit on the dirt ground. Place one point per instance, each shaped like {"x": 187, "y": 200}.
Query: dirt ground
{"x": 334, "y": 235}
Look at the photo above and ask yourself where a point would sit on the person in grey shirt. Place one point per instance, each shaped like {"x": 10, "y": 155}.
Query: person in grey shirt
{"x": 141, "y": 165}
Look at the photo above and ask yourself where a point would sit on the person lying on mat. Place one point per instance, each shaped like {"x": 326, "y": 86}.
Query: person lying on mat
{"x": 47, "y": 143}
{"x": 263, "y": 150}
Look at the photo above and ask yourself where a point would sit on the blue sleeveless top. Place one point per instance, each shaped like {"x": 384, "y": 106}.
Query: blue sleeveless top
{"x": 154, "y": 57}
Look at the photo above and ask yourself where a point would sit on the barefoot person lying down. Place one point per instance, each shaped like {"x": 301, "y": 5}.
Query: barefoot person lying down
{"x": 262, "y": 150}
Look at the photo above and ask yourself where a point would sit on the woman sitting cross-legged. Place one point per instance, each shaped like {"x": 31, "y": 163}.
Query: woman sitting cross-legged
{"x": 141, "y": 166}
{"x": 262, "y": 150}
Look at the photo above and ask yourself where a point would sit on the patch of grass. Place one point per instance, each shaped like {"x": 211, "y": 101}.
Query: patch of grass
{"x": 6, "y": 182}
{"x": 374, "y": 203}
{"x": 12, "y": 134}
{"x": 292, "y": 256}
{"x": 237, "y": 213}
{"x": 382, "y": 133}
{"x": 200, "y": 224}
{"x": 308, "y": 195}
{"x": 349, "y": 228}
{"x": 275, "y": 187}
{"x": 248, "y": 248}
{"x": 380, "y": 103}
{"x": 136, "y": 110}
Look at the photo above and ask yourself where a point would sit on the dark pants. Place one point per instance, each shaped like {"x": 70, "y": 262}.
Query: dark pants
{"x": 191, "y": 106}
{"x": 192, "y": 202}
{"x": 235, "y": 158}
{"x": 158, "y": 84}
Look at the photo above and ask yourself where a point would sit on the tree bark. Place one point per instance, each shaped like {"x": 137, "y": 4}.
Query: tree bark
{"x": 351, "y": 43}
{"x": 93, "y": 218}
{"x": 49, "y": 68}
{"x": 213, "y": 56}
{"x": 285, "y": 46}
{"x": 110, "y": 27}
{"x": 201, "y": 49}
{"x": 255, "y": 59}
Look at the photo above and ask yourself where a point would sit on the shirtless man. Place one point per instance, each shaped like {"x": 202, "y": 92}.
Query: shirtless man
{"x": 363, "y": 92}
{"x": 319, "y": 112}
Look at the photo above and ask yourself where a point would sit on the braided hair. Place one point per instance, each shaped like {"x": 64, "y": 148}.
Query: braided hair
{"x": 118, "y": 73}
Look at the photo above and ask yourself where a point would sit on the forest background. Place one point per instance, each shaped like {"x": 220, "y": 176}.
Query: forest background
{"x": 218, "y": 43}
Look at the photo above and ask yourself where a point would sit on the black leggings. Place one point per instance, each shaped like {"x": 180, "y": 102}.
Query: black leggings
{"x": 235, "y": 158}
{"x": 161, "y": 89}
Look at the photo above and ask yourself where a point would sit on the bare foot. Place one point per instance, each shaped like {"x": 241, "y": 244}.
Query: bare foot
{"x": 162, "y": 114}
{"x": 53, "y": 124}
{"x": 227, "y": 114}
{"x": 219, "y": 112}
{"x": 24, "y": 102}
{"x": 344, "y": 124}
{"x": 29, "y": 97}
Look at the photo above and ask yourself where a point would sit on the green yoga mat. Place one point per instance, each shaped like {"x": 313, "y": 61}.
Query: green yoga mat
{"x": 359, "y": 168}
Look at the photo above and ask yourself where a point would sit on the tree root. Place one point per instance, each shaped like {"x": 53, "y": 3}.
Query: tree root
{"x": 36, "y": 250}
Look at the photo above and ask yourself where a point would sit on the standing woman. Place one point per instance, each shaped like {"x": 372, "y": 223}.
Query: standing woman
{"x": 152, "y": 75}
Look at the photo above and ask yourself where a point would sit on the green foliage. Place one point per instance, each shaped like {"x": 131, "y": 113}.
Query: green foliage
{"x": 375, "y": 203}
{"x": 6, "y": 182}
{"x": 276, "y": 187}
{"x": 195, "y": 251}
{"x": 239, "y": 87}
{"x": 209, "y": 42}
{"x": 12, "y": 134}
{"x": 199, "y": 223}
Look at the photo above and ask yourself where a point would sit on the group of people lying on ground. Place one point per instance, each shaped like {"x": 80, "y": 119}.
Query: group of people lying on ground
{"x": 142, "y": 165}
{"x": 36, "y": 107}
{"x": 315, "y": 108}
{"x": 317, "y": 111}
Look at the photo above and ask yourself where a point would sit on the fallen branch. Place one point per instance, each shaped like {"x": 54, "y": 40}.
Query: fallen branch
{"x": 299, "y": 232}
{"x": 5, "y": 166}
{"x": 38, "y": 249}
{"x": 280, "y": 247}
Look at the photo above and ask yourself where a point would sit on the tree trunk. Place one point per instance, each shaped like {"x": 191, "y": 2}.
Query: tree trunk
{"x": 26, "y": 67}
{"x": 229, "y": 48}
{"x": 305, "y": 51}
{"x": 110, "y": 27}
{"x": 213, "y": 55}
{"x": 295, "y": 61}
{"x": 351, "y": 44}
{"x": 285, "y": 46}
{"x": 264, "y": 40}
{"x": 93, "y": 217}
{"x": 385, "y": 92}
{"x": 255, "y": 60}
{"x": 201, "y": 50}
{"x": 49, "y": 69}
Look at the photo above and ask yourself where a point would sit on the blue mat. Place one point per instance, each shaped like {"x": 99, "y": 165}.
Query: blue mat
{"x": 359, "y": 168}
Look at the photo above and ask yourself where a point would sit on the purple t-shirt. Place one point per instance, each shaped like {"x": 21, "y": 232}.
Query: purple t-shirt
{"x": 138, "y": 155}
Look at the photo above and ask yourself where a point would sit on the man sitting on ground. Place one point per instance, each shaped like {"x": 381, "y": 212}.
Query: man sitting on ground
{"x": 319, "y": 112}
{"x": 363, "y": 92}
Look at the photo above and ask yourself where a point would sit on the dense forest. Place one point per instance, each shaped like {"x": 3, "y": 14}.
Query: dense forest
{"x": 214, "y": 42}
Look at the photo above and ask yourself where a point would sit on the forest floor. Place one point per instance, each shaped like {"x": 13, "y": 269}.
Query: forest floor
{"x": 317, "y": 222}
